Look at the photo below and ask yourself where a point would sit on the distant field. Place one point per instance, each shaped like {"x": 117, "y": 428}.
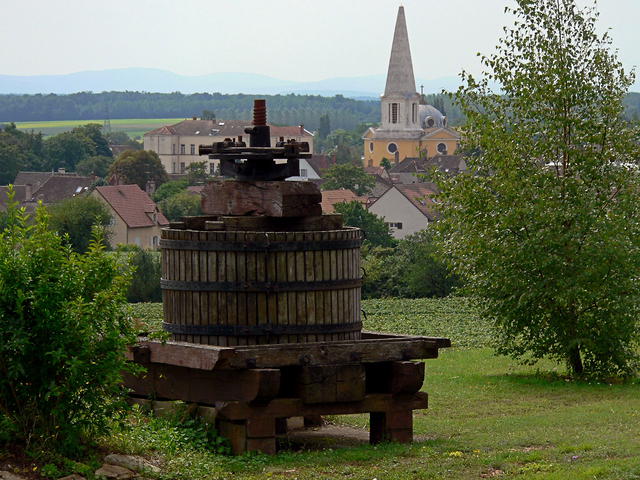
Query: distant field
{"x": 134, "y": 127}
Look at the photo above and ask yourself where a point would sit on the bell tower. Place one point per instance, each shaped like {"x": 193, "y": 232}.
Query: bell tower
{"x": 400, "y": 101}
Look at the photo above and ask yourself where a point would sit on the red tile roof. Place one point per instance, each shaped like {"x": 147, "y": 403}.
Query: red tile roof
{"x": 331, "y": 197}
{"x": 133, "y": 205}
{"x": 421, "y": 195}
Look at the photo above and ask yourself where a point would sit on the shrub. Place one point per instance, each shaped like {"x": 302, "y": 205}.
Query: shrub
{"x": 76, "y": 217}
{"x": 63, "y": 331}
{"x": 146, "y": 271}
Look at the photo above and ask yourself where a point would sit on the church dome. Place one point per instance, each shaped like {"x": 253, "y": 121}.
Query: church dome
{"x": 430, "y": 117}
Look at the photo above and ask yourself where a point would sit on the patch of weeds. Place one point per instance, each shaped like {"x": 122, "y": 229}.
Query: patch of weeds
{"x": 172, "y": 434}
{"x": 536, "y": 467}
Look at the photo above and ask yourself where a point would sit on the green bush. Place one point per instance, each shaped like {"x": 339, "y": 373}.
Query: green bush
{"x": 146, "y": 271}
{"x": 412, "y": 269}
{"x": 63, "y": 331}
{"x": 76, "y": 217}
{"x": 180, "y": 205}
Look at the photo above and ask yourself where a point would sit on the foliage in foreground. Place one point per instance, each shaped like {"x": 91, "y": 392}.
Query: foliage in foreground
{"x": 546, "y": 227}
{"x": 63, "y": 331}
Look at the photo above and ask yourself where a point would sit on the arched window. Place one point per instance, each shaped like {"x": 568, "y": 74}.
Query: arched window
{"x": 371, "y": 146}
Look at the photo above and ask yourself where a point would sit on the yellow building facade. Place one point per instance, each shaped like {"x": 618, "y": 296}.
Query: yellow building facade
{"x": 409, "y": 128}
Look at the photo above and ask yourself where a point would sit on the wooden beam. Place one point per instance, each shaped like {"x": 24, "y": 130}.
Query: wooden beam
{"x": 205, "y": 387}
{"x": 295, "y": 407}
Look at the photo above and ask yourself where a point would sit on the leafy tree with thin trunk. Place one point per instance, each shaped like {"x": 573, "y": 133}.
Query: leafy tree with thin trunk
{"x": 545, "y": 227}
{"x": 350, "y": 177}
{"x": 139, "y": 167}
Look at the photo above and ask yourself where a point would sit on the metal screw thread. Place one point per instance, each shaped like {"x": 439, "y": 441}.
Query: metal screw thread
{"x": 259, "y": 112}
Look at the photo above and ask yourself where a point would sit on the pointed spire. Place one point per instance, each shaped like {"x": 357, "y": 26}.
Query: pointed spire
{"x": 400, "y": 79}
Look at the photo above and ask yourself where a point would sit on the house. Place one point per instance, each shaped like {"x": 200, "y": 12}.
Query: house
{"x": 408, "y": 125}
{"x": 177, "y": 145}
{"x": 135, "y": 217}
{"x": 21, "y": 193}
{"x": 406, "y": 209}
{"x": 47, "y": 187}
{"x": 342, "y": 195}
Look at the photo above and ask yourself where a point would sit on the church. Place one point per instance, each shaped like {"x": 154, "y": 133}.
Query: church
{"x": 409, "y": 127}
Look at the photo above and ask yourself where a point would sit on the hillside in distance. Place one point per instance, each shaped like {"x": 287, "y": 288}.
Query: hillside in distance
{"x": 163, "y": 81}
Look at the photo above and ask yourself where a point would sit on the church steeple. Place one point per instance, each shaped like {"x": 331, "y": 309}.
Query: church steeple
{"x": 399, "y": 103}
{"x": 400, "y": 79}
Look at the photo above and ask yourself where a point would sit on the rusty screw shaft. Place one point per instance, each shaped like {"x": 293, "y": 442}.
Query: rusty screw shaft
{"x": 259, "y": 112}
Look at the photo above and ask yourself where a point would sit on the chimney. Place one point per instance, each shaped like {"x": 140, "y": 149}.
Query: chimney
{"x": 28, "y": 192}
{"x": 194, "y": 118}
{"x": 62, "y": 170}
{"x": 301, "y": 130}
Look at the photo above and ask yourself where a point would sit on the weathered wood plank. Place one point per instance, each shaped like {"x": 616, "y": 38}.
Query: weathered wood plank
{"x": 294, "y": 407}
{"x": 205, "y": 387}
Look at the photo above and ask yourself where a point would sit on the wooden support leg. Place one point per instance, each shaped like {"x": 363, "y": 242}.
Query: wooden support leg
{"x": 311, "y": 421}
{"x": 256, "y": 434}
{"x": 391, "y": 426}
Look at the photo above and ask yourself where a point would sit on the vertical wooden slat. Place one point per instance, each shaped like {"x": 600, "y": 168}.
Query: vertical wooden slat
{"x": 335, "y": 313}
{"x": 320, "y": 314}
{"x": 310, "y": 297}
{"x": 301, "y": 298}
{"x": 195, "y": 296}
{"x": 240, "y": 297}
{"x": 204, "y": 296}
{"x": 212, "y": 276}
{"x": 222, "y": 277}
{"x": 291, "y": 296}
{"x": 232, "y": 301}
{"x": 263, "y": 299}
{"x": 251, "y": 298}
{"x": 283, "y": 297}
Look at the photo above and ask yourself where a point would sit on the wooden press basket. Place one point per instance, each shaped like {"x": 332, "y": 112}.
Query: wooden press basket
{"x": 246, "y": 288}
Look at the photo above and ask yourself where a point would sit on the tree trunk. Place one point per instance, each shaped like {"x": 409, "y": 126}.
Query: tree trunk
{"x": 575, "y": 360}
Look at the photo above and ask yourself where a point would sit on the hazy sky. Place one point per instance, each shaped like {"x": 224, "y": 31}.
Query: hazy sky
{"x": 289, "y": 39}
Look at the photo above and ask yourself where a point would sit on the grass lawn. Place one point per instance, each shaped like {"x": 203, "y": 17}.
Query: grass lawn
{"x": 134, "y": 127}
{"x": 488, "y": 418}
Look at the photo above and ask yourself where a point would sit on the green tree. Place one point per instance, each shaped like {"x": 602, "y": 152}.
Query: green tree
{"x": 146, "y": 272}
{"x": 180, "y": 205}
{"x": 376, "y": 232}
{"x": 169, "y": 189}
{"x": 97, "y": 165}
{"x": 139, "y": 167}
{"x": 545, "y": 226}
{"x": 325, "y": 126}
{"x": 122, "y": 138}
{"x": 208, "y": 115}
{"x": 385, "y": 163}
{"x": 64, "y": 329}
{"x": 423, "y": 271}
{"x": 93, "y": 131}
{"x": 197, "y": 173}
{"x": 67, "y": 149}
{"x": 76, "y": 217}
{"x": 19, "y": 151}
{"x": 348, "y": 176}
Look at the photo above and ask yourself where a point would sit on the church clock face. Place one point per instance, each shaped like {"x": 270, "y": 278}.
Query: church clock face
{"x": 392, "y": 147}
